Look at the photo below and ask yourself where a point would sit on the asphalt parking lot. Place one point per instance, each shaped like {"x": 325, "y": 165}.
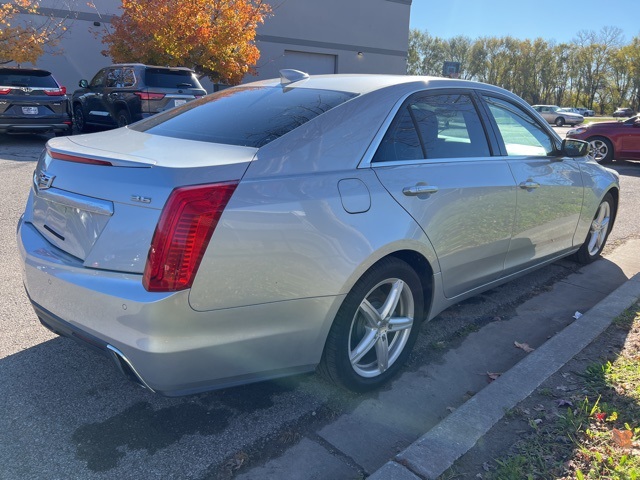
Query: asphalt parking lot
{"x": 69, "y": 414}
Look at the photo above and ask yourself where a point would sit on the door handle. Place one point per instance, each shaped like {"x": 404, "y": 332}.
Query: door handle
{"x": 419, "y": 190}
{"x": 529, "y": 185}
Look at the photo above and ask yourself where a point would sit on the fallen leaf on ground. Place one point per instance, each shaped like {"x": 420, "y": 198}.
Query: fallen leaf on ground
{"x": 524, "y": 347}
{"x": 622, "y": 438}
{"x": 493, "y": 376}
{"x": 564, "y": 403}
{"x": 451, "y": 409}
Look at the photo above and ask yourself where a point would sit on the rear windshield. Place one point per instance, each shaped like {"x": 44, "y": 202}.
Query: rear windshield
{"x": 245, "y": 116}
{"x": 22, "y": 78}
{"x": 162, "y": 78}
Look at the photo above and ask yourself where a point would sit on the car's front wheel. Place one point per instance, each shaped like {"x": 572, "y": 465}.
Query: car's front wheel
{"x": 375, "y": 328}
{"x": 598, "y": 231}
{"x": 601, "y": 149}
{"x": 559, "y": 121}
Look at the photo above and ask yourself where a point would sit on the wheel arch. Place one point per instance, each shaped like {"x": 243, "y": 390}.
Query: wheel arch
{"x": 615, "y": 193}
{"x": 418, "y": 261}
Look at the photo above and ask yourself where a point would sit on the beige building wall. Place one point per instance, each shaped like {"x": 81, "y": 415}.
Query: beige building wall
{"x": 317, "y": 36}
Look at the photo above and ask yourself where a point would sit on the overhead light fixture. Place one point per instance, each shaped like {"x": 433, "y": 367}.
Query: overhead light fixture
{"x": 360, "y": 54}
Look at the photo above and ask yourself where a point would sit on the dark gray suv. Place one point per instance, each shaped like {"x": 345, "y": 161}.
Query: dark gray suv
{"x": 124, "y": 93}
{"x": 32, "y": 101}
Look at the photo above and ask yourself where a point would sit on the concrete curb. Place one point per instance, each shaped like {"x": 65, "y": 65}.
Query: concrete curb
{"x": 436, "y": 451}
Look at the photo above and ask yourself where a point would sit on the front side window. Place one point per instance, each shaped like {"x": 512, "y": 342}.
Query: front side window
{"x": 434, "y": 126}
{"x": 99, "y": 79}
{"x": 521, "y": 134}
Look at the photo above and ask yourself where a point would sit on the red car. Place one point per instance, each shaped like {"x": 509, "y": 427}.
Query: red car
{"x": 609, "y": 140}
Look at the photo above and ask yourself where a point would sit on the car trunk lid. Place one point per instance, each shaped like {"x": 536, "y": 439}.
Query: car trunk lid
{"x": 99, "y": 197}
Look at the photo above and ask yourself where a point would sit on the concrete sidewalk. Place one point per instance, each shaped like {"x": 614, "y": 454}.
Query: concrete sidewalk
{"x": 384, "y": 438}
{"x": 438, "y": 449}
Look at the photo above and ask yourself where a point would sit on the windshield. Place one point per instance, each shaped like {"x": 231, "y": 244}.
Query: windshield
{"x": 244, "y": 116}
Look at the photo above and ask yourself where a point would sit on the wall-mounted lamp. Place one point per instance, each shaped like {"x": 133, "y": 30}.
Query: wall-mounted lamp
{"x": 360, "y": 54}
{"x": 96, "y": 24}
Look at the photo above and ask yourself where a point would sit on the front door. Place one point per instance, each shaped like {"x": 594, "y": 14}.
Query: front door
{"x": 549, "y": 187}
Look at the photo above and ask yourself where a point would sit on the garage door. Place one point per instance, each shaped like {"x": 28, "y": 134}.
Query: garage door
{"x": 312, "y": 63}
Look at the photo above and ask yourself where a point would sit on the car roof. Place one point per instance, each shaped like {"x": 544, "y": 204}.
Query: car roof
{"x": 142, "y": 65}
{"x": 365, "y": 83}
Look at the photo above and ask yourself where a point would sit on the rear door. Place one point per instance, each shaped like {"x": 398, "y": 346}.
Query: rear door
{"x": 435, "y": 160}
{"x": 549, "y": 186}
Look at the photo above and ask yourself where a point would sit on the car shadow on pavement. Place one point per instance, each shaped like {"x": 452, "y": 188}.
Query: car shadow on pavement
{"x": 88, "y": 410}
{"x": 626, "y": 167}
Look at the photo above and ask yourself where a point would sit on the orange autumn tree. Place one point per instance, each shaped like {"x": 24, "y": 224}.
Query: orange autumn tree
{"x": 23, "y": 40}
{"x": 214, "y": 37}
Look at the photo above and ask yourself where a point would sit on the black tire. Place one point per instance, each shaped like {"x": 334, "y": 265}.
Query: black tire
{"x": 598, "y": 231}
{"x": 78, "y": 119}
{"x": 390, "y": 282}
{"x": 123, "y": 118}
{"x": 601, "y": 149}
{"x": 559, "y": 121}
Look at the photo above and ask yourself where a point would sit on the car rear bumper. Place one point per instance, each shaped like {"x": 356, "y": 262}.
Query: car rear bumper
{"x": 32, "y": 125}
{"x": 157, "y": 339}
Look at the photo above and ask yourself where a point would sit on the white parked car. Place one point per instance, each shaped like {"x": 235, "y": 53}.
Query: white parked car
{"x": 585, "y": 112}
{"x": 558, "y": 116}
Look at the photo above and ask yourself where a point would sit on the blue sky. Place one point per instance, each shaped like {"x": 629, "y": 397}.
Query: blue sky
{"x": 549, "y": 19}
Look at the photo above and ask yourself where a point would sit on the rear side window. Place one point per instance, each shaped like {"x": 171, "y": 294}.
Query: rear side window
{"x": 245, "y": 116}
{"x": 163, "y": 78}
{"x": 121, "y": 77}
{"x": 22, "y": 78}
{"x": 434, "y": 126}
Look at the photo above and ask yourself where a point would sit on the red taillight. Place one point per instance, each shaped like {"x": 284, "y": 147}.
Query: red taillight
{"x": 5, "y": 91}
{"x": 185, "y": 227}
{"x": 56, "y": 92}
{"x": 74, "y": 158}
{"x": 150, "y": 96}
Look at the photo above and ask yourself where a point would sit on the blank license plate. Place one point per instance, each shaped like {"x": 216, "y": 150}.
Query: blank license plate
{"x": 179, "y": 102}
{"x": 30, "y": 110}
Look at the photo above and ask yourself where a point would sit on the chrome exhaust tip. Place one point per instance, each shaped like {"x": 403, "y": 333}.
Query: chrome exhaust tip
{"x": 124, "y": 365}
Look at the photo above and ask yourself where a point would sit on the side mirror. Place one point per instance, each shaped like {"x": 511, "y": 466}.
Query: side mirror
{"x": 572, "y": 147}
{"x": 83, "y": 83}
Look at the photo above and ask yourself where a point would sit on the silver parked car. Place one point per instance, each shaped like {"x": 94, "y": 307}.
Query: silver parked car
{"x": 558, "y": 116}
{"x": 301, "y": 223}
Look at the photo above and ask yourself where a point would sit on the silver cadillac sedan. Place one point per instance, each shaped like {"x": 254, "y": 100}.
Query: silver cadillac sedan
{"x": 307, "y": 222}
